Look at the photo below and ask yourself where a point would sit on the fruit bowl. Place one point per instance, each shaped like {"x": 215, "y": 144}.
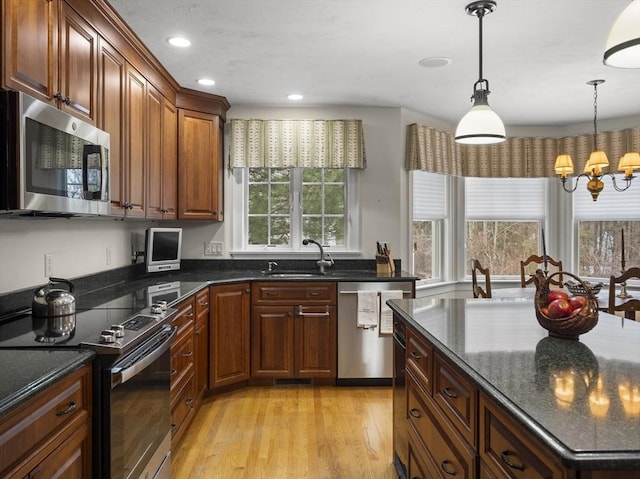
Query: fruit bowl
{"x": 578, "y": 289}
{"x": 564, "y": 320}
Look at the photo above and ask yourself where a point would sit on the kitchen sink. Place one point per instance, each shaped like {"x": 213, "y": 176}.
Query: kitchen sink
{"x": 292, "y": 274}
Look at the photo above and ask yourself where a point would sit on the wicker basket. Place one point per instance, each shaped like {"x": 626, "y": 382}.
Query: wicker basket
{"x": 577, "y": 289}
{"x": 570, "y": 327}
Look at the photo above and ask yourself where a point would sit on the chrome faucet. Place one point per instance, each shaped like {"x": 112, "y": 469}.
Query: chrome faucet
{"x": 322, "y": 263}
{"x": 271, "y": 265}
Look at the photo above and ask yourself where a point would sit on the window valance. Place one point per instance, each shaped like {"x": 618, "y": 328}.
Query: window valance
{"x": 297, "y": 143}
{"x": 436, "y": 151}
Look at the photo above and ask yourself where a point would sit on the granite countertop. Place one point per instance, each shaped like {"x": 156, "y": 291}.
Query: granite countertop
{"x": 511, "y": 358}
{"x": 26, "y": 372}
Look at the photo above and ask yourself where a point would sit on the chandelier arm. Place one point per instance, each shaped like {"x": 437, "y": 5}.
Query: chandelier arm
{"x": 627, "y": 181}
{"x": 575, "y": 186}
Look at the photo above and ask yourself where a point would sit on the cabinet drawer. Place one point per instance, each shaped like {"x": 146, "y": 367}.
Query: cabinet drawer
{"x": 420, "y": 355}
{"x": 182, "y": 409}
{"x": 202, "y": 302}
{"x": 47, "y": 419}
{"x": 181, "y": 363}
{"x": 446, "y": 454}
{"x": 296, "y": 293}
{"x": 185, "y": 318}
{"x": 457, "y": 398}
{"x": 507, "y": 451}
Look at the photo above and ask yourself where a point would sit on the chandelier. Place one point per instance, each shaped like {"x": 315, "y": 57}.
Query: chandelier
{"x": 593, "y": 169}
{"x": 481, "y": 125}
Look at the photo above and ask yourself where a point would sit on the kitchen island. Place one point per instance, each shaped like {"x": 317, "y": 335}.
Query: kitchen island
{"x": 512, "y": 399}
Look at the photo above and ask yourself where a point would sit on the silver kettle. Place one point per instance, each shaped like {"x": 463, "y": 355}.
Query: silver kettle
{"x": 50, "y": 302}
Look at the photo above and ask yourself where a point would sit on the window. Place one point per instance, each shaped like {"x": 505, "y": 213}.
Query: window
{"x": 285, "y": 205}
{"x": 503, "y": 219}
{"x": 599, "y": 230}
{"x": 429, "y": 194}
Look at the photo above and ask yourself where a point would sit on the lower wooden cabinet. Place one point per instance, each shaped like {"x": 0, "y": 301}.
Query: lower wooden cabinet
{"x": 183, "y": 392}
{"x": 229, "y": 334}
{"x": 201, "y": 344}
{"x": 50, "y": 435}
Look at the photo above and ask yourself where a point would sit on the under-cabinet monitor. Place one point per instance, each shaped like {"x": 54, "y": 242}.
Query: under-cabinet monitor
{"x": 163, "y": 249}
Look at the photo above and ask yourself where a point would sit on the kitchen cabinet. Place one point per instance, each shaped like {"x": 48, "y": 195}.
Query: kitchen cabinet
{"x": 50, "y": 435}
{"x": 51, "y": 53}
{"x": 200, "y": 155}
{"x": 229, "y": 338}
{"x": 293, "y": 330}
{"x": 162, "y": 156}
{"x": 183, "y": 391}
{"x": 201, "y": 345}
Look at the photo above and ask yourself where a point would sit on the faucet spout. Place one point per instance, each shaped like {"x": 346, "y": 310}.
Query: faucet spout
{"x": 322, "y": 262}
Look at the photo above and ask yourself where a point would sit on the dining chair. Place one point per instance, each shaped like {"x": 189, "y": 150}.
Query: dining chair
{"x": 538, "y": 260}
{"x": 478, "y": 290}
{"x": 631, "y": 305}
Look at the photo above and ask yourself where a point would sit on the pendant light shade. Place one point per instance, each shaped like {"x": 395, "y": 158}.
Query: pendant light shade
{"x": 623, "y": 45}
{"x": 481, "y": 125}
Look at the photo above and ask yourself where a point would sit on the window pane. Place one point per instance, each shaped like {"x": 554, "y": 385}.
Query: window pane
{"x": 282, "y": 175}
{"x": 333, "y": 199}
{"x": 258, "y": 230}
{"x": 600, "y": 247}
{"x": 280, "y": 230}
{"x": 257, "y": 175}
{"x": 312, "y": 199}
{"x": 334, "y": 175}
{"x": 258, "y": 199}
{"x": 280, "y": 198}
{"x": 312, "y": 228}
{"x": 334, "y": 231}
{"x": 423, "y": 249}
{"x": 311, "y": 175}
{"x": 501, "y": 245}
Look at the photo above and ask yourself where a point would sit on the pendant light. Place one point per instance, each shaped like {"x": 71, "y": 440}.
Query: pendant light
{"x": 481, "y": 125}
{"x": 623, "y": 45}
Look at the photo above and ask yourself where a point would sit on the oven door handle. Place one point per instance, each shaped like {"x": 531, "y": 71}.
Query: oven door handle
{"x": 120, "y": 376}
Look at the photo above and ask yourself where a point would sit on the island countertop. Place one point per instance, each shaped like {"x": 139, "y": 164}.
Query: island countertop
{"x": 499, "y": 344}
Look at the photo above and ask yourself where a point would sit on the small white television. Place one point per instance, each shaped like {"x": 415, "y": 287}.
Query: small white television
{"x": 163, "y": 249}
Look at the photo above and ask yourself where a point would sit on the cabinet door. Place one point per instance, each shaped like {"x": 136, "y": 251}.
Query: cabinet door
{"x": 272, "y": 341}
{"x": 169, "y": 161}
{"x": 71, "y": 460}
{"x": 29, "y": 47}
{"x": 77, "y": 65}
{"x": 200, "y": 169}
{"x": 315, "y": 341}
{"x": 111, "y": 85}
{"x": 135, "y": 120}
{"x": 229, "y": 336}
{"x": 154, "y": 153}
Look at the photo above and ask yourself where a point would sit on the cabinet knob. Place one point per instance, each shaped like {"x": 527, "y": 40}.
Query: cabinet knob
{"x": 449, "y": 393}
{"x": 415, "y": 355}
{"x": 504, "y": 455}
{"x": 415, "y": 413}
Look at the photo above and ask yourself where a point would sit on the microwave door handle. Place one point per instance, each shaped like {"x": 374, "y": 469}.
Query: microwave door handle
{"x": 104, "y": 173}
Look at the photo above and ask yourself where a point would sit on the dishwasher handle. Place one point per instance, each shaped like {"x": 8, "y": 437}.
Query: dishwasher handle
{"x": 313, "y": 314}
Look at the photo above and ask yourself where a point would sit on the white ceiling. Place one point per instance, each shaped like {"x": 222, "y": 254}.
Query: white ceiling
{"x": 538, "y": 54}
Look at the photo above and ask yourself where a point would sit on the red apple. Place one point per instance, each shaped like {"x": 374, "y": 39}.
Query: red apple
{"x": 577, "y": 302}
{"x": 559, "y": 308}
{"x": 556, "y": 294}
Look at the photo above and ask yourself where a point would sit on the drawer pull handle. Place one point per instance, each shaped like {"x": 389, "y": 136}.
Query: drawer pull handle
{"x": 70, "y": 408}
{"x": 415, "y": 413}
{"x": 173, "y": 372}
{"x": 189, "y": 402}
{"x": 449, "y": 393}
{"x": 188, "y": 355}
{"x": 504, "y": 455}
{"x": 204, "y": 303}
{"x": 271, "y": 293}
{"x": 190, "y": 315}
{"x": 446, "y": 467}
{"x": 173, "y": 427}
{"x": 314, "y": 293}
{"x": 415, "y": 355}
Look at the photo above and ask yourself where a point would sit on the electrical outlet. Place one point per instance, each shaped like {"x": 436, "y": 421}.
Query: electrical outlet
{"x": 48, "y": 264}
{"x": 208, "y": 249}
{"x": 213, "y": 248}
{"x": 108, "y": 255}
{"x": 217, "y": 248}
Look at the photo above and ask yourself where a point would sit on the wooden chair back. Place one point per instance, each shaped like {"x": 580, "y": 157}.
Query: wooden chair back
{"x": 631, "y": 305}
{"x": 478, "y": 290}
{"x": 526, "y": 279}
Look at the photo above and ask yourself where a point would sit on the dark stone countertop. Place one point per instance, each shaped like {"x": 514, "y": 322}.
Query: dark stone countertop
{"x": 499, "y": 344}
{"x": 26, "y": 372}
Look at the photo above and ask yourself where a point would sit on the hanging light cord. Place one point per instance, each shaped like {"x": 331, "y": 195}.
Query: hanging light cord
{"x": 595, "y": 116}
{"x": 481, "y": 13}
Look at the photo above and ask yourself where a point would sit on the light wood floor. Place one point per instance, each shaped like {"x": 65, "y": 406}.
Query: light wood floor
{"x": 290, "y": 432}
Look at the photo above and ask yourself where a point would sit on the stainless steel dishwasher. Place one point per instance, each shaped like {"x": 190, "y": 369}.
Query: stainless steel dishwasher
{"x": 365, "y": 355}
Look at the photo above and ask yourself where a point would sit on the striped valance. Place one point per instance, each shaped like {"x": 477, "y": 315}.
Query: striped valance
{"x": 297, "y": 143}
{"x": 436, "y": 151}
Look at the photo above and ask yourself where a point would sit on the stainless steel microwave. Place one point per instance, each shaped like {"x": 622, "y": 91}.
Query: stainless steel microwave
{"x": 51, "y": 163}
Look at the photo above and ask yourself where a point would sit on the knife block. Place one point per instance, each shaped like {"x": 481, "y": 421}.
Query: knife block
{"x": 384, "y": 265}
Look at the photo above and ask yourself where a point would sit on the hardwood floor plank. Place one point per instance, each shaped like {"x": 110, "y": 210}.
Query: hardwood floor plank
{"x": 290, "y": 432}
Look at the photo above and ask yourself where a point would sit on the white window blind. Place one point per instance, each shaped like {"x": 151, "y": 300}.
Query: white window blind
{"x": 429, "y": 196}
{"x": 611, "y": 205}
{"x": 505, "y": 198}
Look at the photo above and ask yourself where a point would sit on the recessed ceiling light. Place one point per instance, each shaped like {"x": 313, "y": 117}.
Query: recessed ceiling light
{"x": 206, "y": 82}
{"x": 295, "y": 96}
{"x": 179, "y": 42}
{"x": 434, "y": 62}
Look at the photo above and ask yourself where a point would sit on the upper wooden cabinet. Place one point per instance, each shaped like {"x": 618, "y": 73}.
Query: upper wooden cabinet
{"x": 200, "y": 163}
{"x": 50, "y": 52}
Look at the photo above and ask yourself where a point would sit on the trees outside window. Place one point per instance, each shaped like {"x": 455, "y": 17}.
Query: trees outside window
{"x": 600, "y": 247}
